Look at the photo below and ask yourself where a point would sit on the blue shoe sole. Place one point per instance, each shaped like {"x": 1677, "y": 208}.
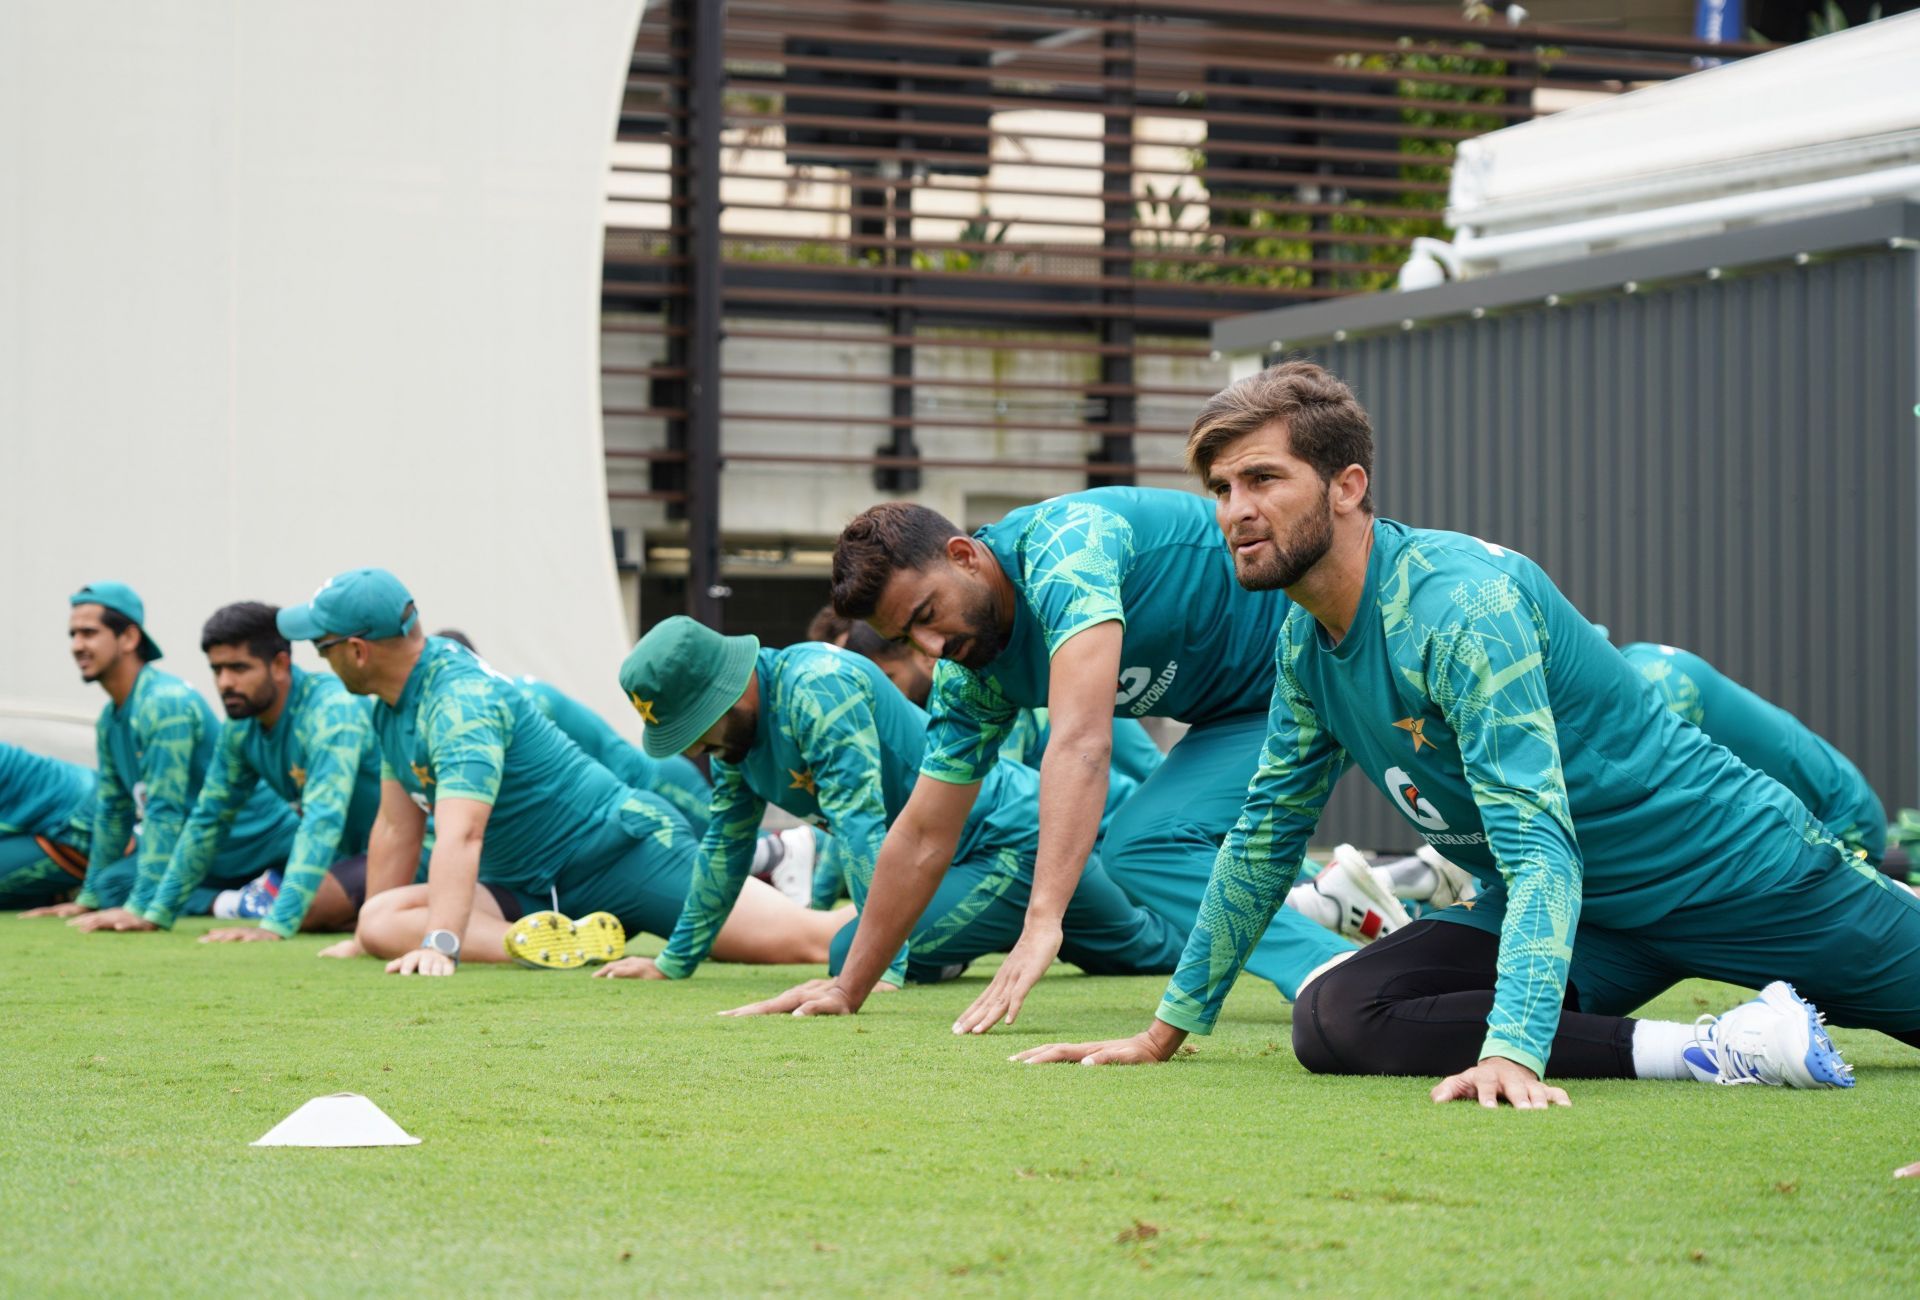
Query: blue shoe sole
{"x": 1823, "y": 1058}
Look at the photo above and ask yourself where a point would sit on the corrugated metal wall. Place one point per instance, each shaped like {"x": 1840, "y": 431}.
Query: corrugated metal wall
{"x": 1726, "y": 466}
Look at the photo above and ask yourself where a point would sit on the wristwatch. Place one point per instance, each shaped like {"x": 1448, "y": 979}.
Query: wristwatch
{"x": 444, "y": 942}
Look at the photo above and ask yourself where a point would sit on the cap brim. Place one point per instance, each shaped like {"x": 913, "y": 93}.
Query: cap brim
{"x": 730, "y": 677}
{"x": 297, "y": 623}
{"x": 153, "y": 650}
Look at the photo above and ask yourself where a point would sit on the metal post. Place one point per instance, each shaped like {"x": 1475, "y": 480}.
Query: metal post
{"x": 1116, "y": 262}
{"x": 706, "y": 73}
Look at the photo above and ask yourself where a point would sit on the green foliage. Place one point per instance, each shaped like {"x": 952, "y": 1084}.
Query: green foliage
{"x": 597, "y": 1137}
{"x": 1374, "y": 265}
{"x": 1831, "y": 19}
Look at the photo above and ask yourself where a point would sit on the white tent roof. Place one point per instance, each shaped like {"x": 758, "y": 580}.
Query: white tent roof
{"x": 1836, "y": 106}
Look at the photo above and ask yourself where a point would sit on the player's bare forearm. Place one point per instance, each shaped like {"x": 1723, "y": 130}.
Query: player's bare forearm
{"x": 1073, "y": 796}
{"x": 453, "y": 874}
{"x": 393, "y": 845}
{"x": 905, "y": 877}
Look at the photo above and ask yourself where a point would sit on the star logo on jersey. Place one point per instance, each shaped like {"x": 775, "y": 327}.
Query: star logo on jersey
{"x": 299, "y": 775}
{"x": 803, "y": 781}
{"x": 421, "y": 773}
{"x": 643, "y": 707}
{"x": 1416, "y": 727}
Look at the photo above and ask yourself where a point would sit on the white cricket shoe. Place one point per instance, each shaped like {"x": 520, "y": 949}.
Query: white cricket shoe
{"x": 1452, "y": 884}
{"x": 1776, "y": 1039}
{"x": 1367, "y": 910}
{"x": 793, "y": 873}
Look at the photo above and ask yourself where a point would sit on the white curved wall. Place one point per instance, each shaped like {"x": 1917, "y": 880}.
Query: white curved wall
{"x": 290, "y": 287}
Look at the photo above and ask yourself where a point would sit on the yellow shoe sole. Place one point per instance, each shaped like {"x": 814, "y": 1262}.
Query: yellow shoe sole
{"x": 549, "y": 941}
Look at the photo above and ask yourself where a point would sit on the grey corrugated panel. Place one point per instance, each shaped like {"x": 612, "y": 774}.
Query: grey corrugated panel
{"x": 1728, "y": 466}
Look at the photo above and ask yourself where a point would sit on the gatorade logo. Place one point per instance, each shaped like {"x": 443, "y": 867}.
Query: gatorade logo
{"x": 1141, "y": 690}
{"x": 1406, "y": 797}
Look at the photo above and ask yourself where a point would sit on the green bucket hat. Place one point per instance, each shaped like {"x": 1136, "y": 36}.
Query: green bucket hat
{"x": 682, "y": 677}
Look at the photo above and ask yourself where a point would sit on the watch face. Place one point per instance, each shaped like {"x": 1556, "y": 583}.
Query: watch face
{"x": 442, "y": 942}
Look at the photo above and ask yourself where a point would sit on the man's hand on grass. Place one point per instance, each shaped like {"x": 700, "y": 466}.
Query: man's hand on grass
{"x": 631, "y": 968}
{"x": 1151, "y": 1046}
{"x": 57, "y": 909}
{"x": 240, "y": 934}
{"x": 1496, "y": 1079}
{"x": 813, "y": 998}
{"x": 1001, "y": 1000}
{"x": 348, "y": 947}
{"x": 422, "y": 961}
{"x": 114, "y": 918}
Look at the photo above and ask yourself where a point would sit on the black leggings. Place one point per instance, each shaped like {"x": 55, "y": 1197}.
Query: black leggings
{"x": 1417, "y": 1002}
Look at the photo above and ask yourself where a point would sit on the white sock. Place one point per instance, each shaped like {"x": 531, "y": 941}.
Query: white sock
{"x": 1314, "y": 905}
{"x": 1657, "y": 1049}
{"x": 767, "y": 852}
{"x": 1408, "y": 878}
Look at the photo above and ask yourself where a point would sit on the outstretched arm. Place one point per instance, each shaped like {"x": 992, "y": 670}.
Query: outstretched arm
{"x": 1073, "y": 795}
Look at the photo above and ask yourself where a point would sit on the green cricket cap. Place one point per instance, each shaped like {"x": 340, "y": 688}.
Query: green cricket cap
{"x": 682, "y": 677}
{"x": 368, "y": 603}
{"x": 122, "y": 600}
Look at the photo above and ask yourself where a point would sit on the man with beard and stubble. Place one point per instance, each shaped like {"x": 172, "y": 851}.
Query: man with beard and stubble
{"x": 156, "y": 738}
{"x": 301, "y": 736}
{"x": 1115, "y": 601}
{"x": 1619, "y": 849}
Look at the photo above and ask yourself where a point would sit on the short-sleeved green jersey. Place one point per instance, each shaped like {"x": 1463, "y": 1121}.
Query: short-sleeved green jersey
{"x": 674, "y": 779}
{"x": 1501, "y": 724}
{"x": 320, "y": 760}
{"x": 1766, "y": 736}
{"x": 45, "y": 797}
{"x": 460, "y": 730}
{"x": 1195, "y": 645}
{"x": 154, "y": 752}
{"x": 839, "y": 747}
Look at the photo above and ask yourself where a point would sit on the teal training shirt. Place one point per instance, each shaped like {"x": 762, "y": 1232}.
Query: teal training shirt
{"x": 674, "y": 779}
{"x": 154, "y": 752}
{"x": 1195, "y": 646}
{"x": 1766, "y": 736}
{"x": 320, "y": 760}
{"x": 839, "y": 747}
{"x": 1502, "y": 725}
{"x": 45, "y": 797}
{"x": 1135, "y": 756}
{"x": 463, "y": 731}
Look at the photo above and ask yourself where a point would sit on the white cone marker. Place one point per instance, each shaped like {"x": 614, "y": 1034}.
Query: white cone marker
{"x": 342, "y": 1119}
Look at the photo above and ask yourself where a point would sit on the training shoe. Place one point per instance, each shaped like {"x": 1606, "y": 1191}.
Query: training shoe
{"x": 257, "y": 896}
{"x": 1775, "y": 1039}
{"x": 1367, "y": 910}
{"x": 1452, "y": 884}
{"x": 792, "y": 874}
{"x": 549, "y": 941}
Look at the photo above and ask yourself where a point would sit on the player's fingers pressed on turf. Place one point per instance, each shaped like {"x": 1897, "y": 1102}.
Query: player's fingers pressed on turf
{"x": 1050, "y": 1052}
{"x": 780, "y": 1004}
{"x": 1908, "y": 1171}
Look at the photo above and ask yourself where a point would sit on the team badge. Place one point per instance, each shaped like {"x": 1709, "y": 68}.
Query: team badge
{"x": 1415, "y": 727}
{"x": 643, "y": 707}
{"x": 803, "y": 781}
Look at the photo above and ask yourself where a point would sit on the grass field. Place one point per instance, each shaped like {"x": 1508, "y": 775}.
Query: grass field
{"x": 592, "y": 1135}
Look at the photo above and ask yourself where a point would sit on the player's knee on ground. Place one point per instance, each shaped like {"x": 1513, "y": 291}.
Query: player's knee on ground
{"x": 1339, "y": 1023}
{"x": 390, "y": 924}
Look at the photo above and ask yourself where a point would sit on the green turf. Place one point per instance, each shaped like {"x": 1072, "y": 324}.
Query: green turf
{"x": 584, "y": 1135}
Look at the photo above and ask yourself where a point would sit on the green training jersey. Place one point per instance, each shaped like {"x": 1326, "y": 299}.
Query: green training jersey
{"x": 154, "y": 753}
{"x": 1518, "y": 742}
{"x": 320, "y": 760}
{"x": 1135, "y": 756}
{"x": 1767, "y": 737}
{"x": 1194, "y": 644}
{"x": 460, "y": 730}
{"x": 839, "y": 747}
{"x": 45, "y": 797}
{"x": 674, "y": 779}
